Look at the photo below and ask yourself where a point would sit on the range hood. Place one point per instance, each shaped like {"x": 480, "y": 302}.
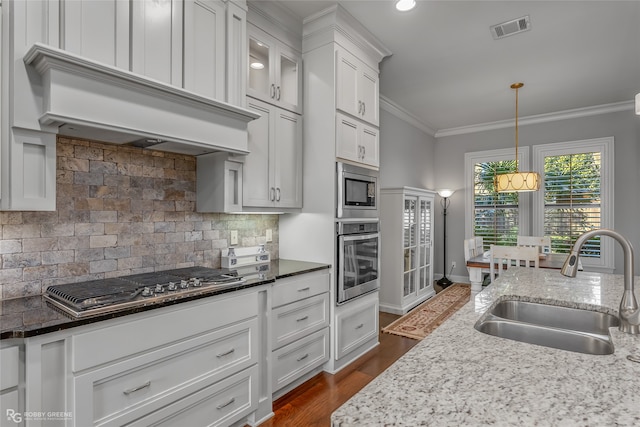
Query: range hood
{"x": 88, "y": 99}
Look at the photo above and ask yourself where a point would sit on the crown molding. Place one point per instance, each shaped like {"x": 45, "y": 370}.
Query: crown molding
{"x": 392, "y": 108}
{"x": 540, "y": 118}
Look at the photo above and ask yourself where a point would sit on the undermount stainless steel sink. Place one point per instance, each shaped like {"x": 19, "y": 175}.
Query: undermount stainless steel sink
{"x": 564, "y": 328}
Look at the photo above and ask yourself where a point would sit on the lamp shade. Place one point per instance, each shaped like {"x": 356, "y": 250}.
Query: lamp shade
{"x": 638, "y": 104}
{"x": 518, "y": 181}
{"x": 446, "y": 192}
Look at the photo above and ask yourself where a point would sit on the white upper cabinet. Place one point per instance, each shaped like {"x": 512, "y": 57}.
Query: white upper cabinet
{"x": 156, "y": 40}
{"x": 272, "y": 172}
{"x": 275, "y": 73}
{"x": 356, "y": 141}
{"x": 204, "y": 47}
{"x": 357, "y": 88}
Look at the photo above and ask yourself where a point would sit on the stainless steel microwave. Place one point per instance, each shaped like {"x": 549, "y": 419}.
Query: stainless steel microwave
{"x": 357, "y": 191}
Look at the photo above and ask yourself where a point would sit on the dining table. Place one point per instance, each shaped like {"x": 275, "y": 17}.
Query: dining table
{"x": 476, "y": 264}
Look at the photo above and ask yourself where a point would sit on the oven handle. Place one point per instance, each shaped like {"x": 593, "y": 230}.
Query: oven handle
{"x": 355, "y": 237}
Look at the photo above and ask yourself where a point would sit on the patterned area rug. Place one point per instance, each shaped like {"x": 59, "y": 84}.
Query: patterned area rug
{"x": 422, "y": 320}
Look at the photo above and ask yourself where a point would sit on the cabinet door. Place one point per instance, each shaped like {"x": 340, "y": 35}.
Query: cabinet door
{"x": 98, "y": 30}
{"x": 258, "y": 190}
{"x": 288, "y": 159}
{"x": 368, "y": 94}
{"x": 289, "y": 79}
{"x": 204, "y": 47}
{"x": 347, "y": 83}
{"x": 409, "y": 227}
{"x": 425, "y": 239}
{"x": 347, "y": 138}
{"x": 262, "y": 68}
{"x": 369, "y": 144}
{"x": 156, "y": 40}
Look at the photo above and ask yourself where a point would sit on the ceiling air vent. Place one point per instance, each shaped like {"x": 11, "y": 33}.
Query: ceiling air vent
{"x": 510, "y": 28}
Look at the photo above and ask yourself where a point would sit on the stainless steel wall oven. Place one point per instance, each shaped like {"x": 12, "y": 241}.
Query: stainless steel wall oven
{"x": 358, "y": 263}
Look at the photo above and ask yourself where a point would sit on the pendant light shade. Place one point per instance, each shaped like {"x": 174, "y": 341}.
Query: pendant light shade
{"x": 517, "y": 181}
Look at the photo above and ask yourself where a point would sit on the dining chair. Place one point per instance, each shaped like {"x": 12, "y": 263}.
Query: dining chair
{"x": 543, "y": 243}
{"x": 473, "y": 247}
{"x": 510, "y": 256}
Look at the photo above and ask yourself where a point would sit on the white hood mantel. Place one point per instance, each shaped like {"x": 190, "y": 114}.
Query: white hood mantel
{"x": 87, "y": 99}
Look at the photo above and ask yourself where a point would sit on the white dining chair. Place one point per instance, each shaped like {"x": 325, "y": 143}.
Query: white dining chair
{"x": 474, "y": 247}
{"x": 510, "y": 256}
{"x": 542, "y": 243}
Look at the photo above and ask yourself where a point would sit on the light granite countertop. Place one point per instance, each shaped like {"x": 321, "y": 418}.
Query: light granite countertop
{"x": 458, "y": 376}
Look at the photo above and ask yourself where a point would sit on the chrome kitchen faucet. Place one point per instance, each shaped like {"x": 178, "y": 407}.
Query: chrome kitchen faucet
{"x": 629, "y": 313}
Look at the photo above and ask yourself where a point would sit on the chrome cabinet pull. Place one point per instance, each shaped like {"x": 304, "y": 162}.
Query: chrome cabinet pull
{"x": 278, "y": 92}
{"x": 360, "y": 326}
{"x": 304, "y": 289}
{"x": 278, "y": 194}
{"x": 364, "y": 152}
{"x": 226, "y": 353}
{"x": 302, "y": 318}
{"x": 364, "y": 108}
{"x": 359, "y": 107}
{"x": 229, "y": 402}
{"x": 302, "y": 357}
{"x": 272, "y": 194}
{"x": 272, "y": 91}
{"x": 138, "y": 388}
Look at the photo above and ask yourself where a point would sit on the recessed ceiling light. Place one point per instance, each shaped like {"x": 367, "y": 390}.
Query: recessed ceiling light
{"x": 405, "y": 5}
{"x": 257, "y": 65}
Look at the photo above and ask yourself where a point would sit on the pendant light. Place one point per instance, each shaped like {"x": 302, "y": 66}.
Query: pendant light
{"x": 517, "y": 181}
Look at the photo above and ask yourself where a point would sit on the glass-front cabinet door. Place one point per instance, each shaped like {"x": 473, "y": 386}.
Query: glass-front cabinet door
{"x": 425, "y": 241}
{"x": 275, "y": 71}
{"x": 410, "y": 227}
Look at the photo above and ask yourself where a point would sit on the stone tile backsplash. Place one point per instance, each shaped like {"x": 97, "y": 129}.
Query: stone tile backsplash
{"x": 120, "y": 210}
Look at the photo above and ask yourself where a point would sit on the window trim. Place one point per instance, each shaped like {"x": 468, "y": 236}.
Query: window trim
{"x": 606, "y": 263}
{"x": 470, "y": 159}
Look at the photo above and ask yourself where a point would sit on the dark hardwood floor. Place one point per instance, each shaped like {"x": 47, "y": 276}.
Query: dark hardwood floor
{"x": 312, "y": 403}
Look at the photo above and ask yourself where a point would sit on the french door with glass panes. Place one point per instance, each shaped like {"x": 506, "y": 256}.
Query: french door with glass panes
{"x": 418, "y": 254}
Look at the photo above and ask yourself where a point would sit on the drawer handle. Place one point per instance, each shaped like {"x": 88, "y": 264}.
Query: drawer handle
{"x": 233, "y": 399}
{"x": 304, "y": 289}
{"x": 302, "y": 318}
{"x": 226, "y": 353}
{"x": 140, "y": 387}
{"x": 303, "y": 357}
{"x": 360, "y": 326}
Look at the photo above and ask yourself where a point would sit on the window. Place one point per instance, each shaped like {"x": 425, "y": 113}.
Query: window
{"x": 497, "y": 217}
{"x": 577, "y": 197}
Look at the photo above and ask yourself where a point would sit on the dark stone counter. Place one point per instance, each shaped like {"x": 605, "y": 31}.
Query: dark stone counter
{"x": 31, "y": 316}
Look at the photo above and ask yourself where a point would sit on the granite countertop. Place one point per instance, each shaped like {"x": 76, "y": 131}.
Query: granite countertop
{"x": 31, "y": 316}
{"x": 459, "y": 376}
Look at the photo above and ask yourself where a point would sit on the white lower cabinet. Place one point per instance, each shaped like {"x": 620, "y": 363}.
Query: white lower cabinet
{"x": 356, "y": 326}
{"x": 195, "y": 363}
{"x": 300, "y": 326}
{"x": 9, "y": 379}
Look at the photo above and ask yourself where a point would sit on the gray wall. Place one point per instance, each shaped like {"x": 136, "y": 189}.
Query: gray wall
{"x": 406, "y": 154}
{"x": 623, "y": 126}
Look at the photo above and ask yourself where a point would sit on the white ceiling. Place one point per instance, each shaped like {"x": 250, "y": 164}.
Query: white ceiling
{"x": 448, "y": 71}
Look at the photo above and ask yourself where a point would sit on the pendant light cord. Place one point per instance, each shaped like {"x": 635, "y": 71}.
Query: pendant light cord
{"x": 516, "y": 86}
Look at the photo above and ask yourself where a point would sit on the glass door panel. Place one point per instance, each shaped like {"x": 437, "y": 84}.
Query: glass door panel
{"x": 260, "y": 67}
{"x": 287, "y": 91}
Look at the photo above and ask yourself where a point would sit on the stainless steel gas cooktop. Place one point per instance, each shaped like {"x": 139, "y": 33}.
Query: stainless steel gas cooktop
{"x": 103, "y": 296}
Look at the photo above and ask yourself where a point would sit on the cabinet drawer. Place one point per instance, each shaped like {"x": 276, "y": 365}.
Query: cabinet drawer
{"x": 120, "y": 392}
{"x": 223, "y": 403}
{"x": 356, "y": 326}
{"x": 294, "y": 360}
{"x": 295, "y": 320}
{"x": 159, "y": 328}
{"x": 292, "y": 289}
{"x": 9, "y": 365}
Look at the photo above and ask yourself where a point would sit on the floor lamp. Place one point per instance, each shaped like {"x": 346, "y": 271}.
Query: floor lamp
{"x": 445, "y": 194}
